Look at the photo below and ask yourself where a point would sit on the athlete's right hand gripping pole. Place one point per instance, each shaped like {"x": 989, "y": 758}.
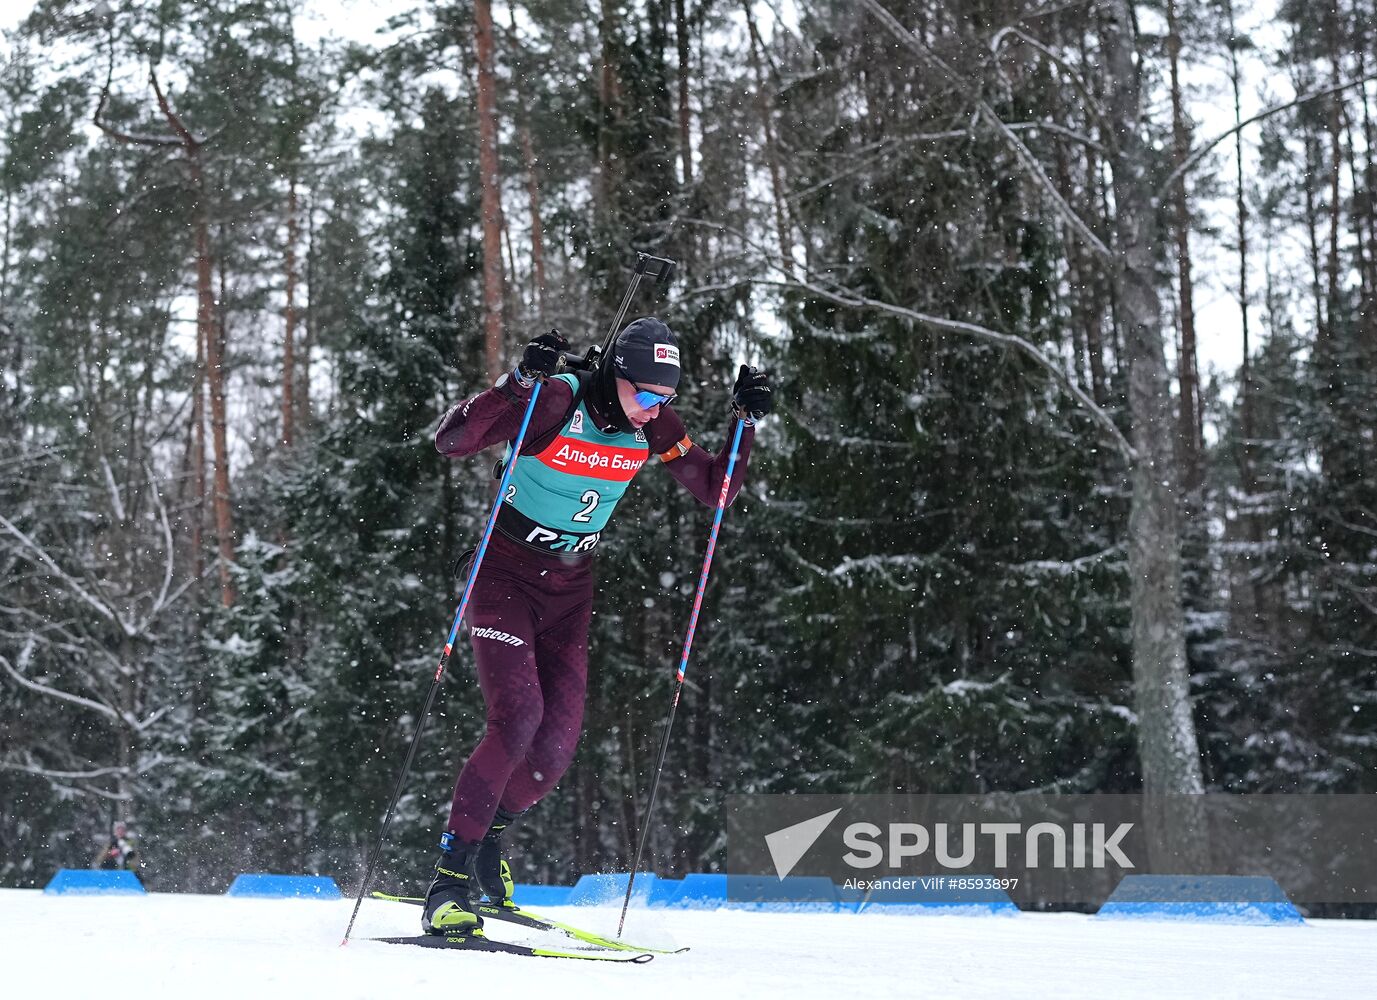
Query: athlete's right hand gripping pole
{"x": 683, "y": 664}
{"x": 444, "y": 658}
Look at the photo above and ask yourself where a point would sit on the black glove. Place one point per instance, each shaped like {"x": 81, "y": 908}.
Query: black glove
{"x": 752, "y": 396}
{"x": 541, "y": 357}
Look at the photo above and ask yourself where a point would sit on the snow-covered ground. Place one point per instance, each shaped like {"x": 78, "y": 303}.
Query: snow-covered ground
{"x": 211, "y": 946}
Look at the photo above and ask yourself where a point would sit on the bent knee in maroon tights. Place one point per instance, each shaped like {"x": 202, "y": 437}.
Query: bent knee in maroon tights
{"x": 514, "y": 720}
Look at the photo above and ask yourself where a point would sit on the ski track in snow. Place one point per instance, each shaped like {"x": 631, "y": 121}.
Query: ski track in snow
{"x": 174, "y": 946}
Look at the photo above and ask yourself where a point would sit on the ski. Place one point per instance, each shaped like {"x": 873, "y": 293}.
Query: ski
{"x": 477, "y": 942}
{"x": 513, "y": 914}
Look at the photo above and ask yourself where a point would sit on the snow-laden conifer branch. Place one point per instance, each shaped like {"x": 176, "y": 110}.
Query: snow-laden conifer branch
{"x": 877, "y": 151}
{"x": 37, "y": 552}
{"x": 69, "y": 790}
{"x": 1021, "y": 151}
{"x": 794, "y": 509}
{"x": 853, "y": 299}
{"x": 1335, "y": 518}
{"x": 1358, "y": 594}
{"x": 881, "y": 566}
{"x": 873, "y": 155}
{"x": 28, "y": 767}
{"x": 1091, "y": 105}
{"x": 1031, "y": 164}
{"x": 848, "y": 440}
{"x": 1189, "y": 163}
{"x": 846, "y": 297}
{"x": 1061, "y": 130}
{"x": 1065, "y": 567}
{"x": 53, "y": 692}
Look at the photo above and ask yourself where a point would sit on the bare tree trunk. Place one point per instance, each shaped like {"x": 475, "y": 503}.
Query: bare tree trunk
{"x": 5, "y": 255}
{"x": 1369, "y": 185}
{"x": 531, "y": 164}
{"x": 206, "y": 331}
{"x": 491, "y": 190}
{"x": 607, "y": 97}
{"x": 302, "y": 405}
{"x": 1168, "y": 748}
{"x": 1358, "y": 221}
{"x": 289, "y": 336}
{"x": 514, "y": 307}
{"x": 1094, "y": 341}
{"x": 8, "y": 330}
{"x": 1312, "y": 159}
{"x": 215, "y": 380}
{"x": 764, "y": 106}
{"x": 1241, "y": 215}
{"x": 1328, "y": 353}
{"x": 1189, "y": 416}
{"x": 1248, "y": 595}
{"x": 681, "y": 34}
{"x": 1336, "y": 159}
{"x": 1075, "y": 279}
{"x": 537, "y": 229}
{"x": 198, "y": 454}
{"x": 1098, "y": 306}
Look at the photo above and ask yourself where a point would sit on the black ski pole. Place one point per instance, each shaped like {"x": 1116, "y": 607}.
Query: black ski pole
{"x": 376, "y": 853}
{"x": 683, "y": 666}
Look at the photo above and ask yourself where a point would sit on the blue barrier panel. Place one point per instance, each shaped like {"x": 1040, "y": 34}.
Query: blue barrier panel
{"x": 697, "y": 891}
{"x": 797, "y": 893}
{"x": 1229, "y": 899}
{"x": 701, "y": 891}
{"x": 536, "y": 896}
{"x": 766, "y": 892}
{"x": 599, "y": 890}
{"x": 662, "y": 890}
{"x": 263, "y": 886}
{"x": 931, "y": 895}
{"x": 98, "y": 882}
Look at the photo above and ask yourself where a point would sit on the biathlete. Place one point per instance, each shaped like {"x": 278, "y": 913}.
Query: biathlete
{"x": 531, "y": 605}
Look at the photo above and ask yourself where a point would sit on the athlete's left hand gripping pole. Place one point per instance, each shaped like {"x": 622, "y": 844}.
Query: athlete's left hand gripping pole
{"x": 444, "y": 659}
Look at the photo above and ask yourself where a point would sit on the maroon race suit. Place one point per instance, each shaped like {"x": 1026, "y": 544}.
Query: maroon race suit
{"x": 530, "y": 610}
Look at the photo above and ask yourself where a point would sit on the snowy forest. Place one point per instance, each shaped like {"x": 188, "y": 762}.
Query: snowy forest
{"x": 1006, "y": 529}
